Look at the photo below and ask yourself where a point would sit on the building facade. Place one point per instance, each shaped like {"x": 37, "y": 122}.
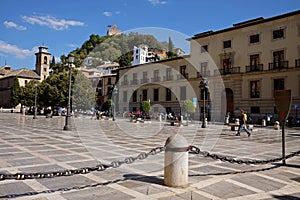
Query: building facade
{"x": 244, "y": 65}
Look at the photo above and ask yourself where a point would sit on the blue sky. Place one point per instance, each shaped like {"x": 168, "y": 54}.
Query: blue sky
{"x": 63, "y": 25}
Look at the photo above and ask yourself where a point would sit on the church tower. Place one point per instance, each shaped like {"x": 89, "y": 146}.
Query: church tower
{"x": 42, "y": 63}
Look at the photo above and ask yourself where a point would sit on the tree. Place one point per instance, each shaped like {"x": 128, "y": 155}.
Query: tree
{"x": 146, "y": 106}
{"x": 15, "y": 92}
{"x": 125, "y": 60}
{"x": 83, "y": 95}
{"x": 27, "y": 94}
{"x": 52, "y": 64}
{"x": 170, "y": 52}
{"x": 188, "y": 107}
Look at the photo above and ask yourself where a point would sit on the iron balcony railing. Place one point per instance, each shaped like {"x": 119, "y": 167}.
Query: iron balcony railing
{"x": 182, "y": 76}
{"x": 297, "y": 63}
{"x": 155, "y": 79}
{"x": 279, "y": 65}
{"x": 203, "y": 74}
{"x": 231, "y": 70}
{"x": 124, "y": 82}
{"x": 168, "y": 78}
{"x": 144, "y": 80}
{"x": 255, "y": 68}
{"x": 134, "y": 82}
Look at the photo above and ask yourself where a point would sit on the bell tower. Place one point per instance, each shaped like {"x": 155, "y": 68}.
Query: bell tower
{"x": 42, "y": 63}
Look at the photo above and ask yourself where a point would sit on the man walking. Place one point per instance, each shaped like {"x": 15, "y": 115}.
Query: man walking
{"x": 243, "y": 123}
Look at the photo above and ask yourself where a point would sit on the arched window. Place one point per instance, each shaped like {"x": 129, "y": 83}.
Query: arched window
{"x": 45, "y": 60}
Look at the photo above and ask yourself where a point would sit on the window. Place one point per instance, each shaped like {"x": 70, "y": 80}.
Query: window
{"x": 156, "y": 94}
{"x": 156, "y": 74}
{"x": 26, "y": 82}
{"x": 254, "y": 60}
{"x": 255, "y": 110}
{"x": 145, "y": 75}
{"x": 45, "y": 69}
{"x": 145, "y": 97}
{"x": 109, "y": 81}
{"x": 124, "y": 96}
{"x": 204, "y": 48}
{"x": 108, "y": 90}
{"x": 168, "y": 94}
{"x": 168, "y": 74}
{"x": 204, "y": 68}
{"x": 278, "y": 59}
{"x": 183, "y": 69}
{"x": 278, "y": 84}
{"x": 254, "y": 89}
{"x": 254, "y": 38}
{"x": 134, "y": 96}
{"x": 226, "y": 44}
{"x": 182, "y": 93}
{"x": 278, "y": 33}
{"x": 45, "y": 60}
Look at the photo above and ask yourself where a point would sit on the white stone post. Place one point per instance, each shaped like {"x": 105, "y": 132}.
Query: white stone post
{"x": 176, "y": 162}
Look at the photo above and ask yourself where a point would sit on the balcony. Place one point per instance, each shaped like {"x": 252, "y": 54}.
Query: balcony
{"x": 144, "y": 80}
{"x": 203, "y": 74}
{"x": 182, "y": 76}
{"x": 134, "y": 82}
{"x": 124, "y": 83}
{"x": 255, "y": 68}
{"x": 279, "y": 65}
{"x": 155, "y": 79}
{"x": 231, "y": 70}
{"x": 168, "y": 78}
{"x": 297, "y": 63}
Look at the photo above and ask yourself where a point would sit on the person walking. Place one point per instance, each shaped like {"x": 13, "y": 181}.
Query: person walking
{"x": 243, "y": 123}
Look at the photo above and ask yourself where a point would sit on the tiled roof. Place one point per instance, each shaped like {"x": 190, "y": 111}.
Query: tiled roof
{"x": 24, "y": 73}
{"x": 5, "y": 69}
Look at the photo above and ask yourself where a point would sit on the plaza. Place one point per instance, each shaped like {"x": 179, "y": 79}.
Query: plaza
{"x": 40, "y": 145}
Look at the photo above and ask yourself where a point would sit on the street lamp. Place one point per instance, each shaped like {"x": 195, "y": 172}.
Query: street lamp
{"x": 115, "y": 92}
{"x": 203, "y": 86}
{"x": 35, "y": 110}
{"x": 67, "y": 126}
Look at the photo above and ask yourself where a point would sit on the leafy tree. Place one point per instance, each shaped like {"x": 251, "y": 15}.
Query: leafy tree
{"x": 28, "y": 94}
{"x": 52, "y": 64}
{"x": 15, "y": 92}
{"x": 146, "y": 106}
{"x": 84, "y": 96}
{"x": 188, "y": 107}
{"x": 125, "y": 60}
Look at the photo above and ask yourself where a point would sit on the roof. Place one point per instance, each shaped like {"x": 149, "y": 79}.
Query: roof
{"x": 244, "y": 24}
{"x": 5, "y": 69}
{"x": 24, "y": 73}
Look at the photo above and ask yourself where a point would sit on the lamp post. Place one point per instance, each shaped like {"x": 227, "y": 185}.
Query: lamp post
{"x": 115, "y": 92}
{"x": 203, "y": 86}
{"x": 35, "y": 97}
{"x": 67, "y": 126}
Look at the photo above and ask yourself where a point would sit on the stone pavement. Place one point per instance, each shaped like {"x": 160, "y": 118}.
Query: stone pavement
{"x": 40, "y": 145}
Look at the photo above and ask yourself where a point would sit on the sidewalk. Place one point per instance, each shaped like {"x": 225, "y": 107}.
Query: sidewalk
{"x": 41, "y": 145}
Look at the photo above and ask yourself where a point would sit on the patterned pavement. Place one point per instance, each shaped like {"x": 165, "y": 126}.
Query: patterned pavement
{"x": 40, "y": 145}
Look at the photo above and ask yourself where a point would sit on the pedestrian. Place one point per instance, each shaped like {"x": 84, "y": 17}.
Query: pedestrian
{"x": 243, "y": 123}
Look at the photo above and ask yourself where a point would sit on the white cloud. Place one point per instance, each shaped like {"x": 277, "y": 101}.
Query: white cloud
{"x": 155, "y": 2}
{"x": 6, "y": 48}
{"x": 107, "y": 14}
{"x": 9, "y": 24}
{"x": 51, "y": 22}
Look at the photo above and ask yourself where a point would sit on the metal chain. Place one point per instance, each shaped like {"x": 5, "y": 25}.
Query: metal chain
{"x": 197, "y": 150}
{"x": 100, "y": 167}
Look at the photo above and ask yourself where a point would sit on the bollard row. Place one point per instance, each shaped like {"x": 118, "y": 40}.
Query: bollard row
{"x": 101, "y": 167}
{"x": 196, "y": 150}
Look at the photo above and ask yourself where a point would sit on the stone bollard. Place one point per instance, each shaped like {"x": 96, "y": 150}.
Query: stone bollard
{"x": 276, "y": 125}
{"x": 263, "y": 122}
{"x": 176, "y": 162}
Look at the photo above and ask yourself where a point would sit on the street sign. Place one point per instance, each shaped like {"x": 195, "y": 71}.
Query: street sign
{"x": 283, "y": 101}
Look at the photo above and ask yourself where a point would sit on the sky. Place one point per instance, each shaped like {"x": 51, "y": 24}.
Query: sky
{"x": 64, "y": 25}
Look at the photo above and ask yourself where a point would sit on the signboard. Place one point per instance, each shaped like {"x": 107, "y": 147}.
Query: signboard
{"x": 283, "y": 100}
{"x": 195, "y": 102}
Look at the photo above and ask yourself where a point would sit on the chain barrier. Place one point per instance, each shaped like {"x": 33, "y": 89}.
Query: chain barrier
{"x": 86, "y": 170}
{"x": 196, "y": 150}
{"x": 141, "y": 156}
